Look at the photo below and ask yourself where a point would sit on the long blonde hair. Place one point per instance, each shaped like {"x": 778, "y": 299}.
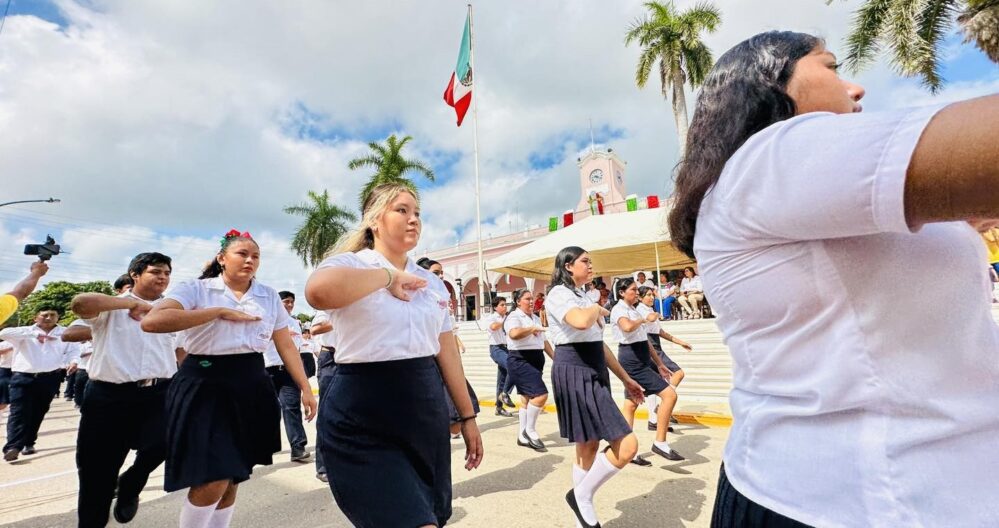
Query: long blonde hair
{"x": 378, "y": 202}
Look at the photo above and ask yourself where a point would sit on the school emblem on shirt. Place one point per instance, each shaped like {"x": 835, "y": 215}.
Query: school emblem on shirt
{"x": 205, "y": 363}
{"x": 443, "y": 304}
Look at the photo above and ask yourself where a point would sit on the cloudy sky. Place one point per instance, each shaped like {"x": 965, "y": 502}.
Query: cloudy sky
{"x": 160, "y": 125}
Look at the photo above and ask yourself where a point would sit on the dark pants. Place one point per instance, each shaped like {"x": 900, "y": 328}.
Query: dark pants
{"x": 116, "y": 418}
{"x": 327, "y": 367}
{"x": 30, "y": 397}
{"x": 62, "y": 377}
{"x": 503, "y": 381}
{"x": 733, "y": 510}
{"x": 70, "y": 391}
{"x": 290, "y": 398}
{"x": 80, "y": 387}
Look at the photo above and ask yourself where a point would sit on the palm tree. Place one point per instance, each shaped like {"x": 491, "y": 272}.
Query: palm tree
{"x": 914, "y": 32}
{"x": 673, "y": 38}
{"x": 324, "y": 224}
{"x": 390, "y": 166}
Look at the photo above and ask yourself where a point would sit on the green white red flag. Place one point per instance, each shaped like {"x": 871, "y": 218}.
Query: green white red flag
{"x": 459, "y": 90}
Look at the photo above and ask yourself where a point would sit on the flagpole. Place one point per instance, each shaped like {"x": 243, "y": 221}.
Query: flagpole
{"x": 475, "y": 142}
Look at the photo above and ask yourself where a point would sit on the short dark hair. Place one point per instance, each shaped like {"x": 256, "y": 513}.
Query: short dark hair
{"x": 48, "y": 308}
{"x": 124, "y": 280}
{"x": 286, "y": 295}
{"x": 496, "y": 300}
{"x": 144, "y": 260}
{"x": 520, "y": 293}
{"x": 426, "y": 263}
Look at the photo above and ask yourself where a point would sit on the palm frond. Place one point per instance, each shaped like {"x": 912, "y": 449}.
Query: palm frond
{"x": 365, "y": 161}
{"x": 645, "y": 62}
{"x": 868, "y": 28}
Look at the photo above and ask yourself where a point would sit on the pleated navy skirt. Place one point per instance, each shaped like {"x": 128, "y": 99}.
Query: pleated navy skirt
{"x": 636, "y": 361}
{"x": 383, "y": 432}
{"x": 452, "y": 410}
{"x": 658, "y": 346}
{"x": 586, "y": 410}
{"x": 525, "y": 368}
{"x": 222, "y": 419}
{"x": 734, "y": 510}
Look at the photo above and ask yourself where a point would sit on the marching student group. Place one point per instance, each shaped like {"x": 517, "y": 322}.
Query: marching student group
{"x": 843, "y": 395}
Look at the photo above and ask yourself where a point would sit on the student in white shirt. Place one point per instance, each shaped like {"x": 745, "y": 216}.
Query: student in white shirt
{"x": 129, "y": 375}
{"x": 6, "y": 360}
{"x": 82, "y": 377}
{"x": 856, "y": 400}
{"x": 498, "y": 352}
{"x": 36, "y": 373}
{"x": 691, "y": 293}
{"x": 288, "y": 392}
{"x": 674, "y": 374}
{"x": 587, "y": 413}
{"x": 222, "y": 416}
{"x": 322, "y": 329}
{"x": 527, "y": 347}
{"x": 384, "y": 429}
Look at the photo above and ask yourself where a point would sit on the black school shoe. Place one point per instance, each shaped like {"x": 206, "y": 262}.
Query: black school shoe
{"x": 28, "y": 450}
{"x": 505, "y": 399}
{"x": 11, "y": 454}
{"x": 526, "y": 441}
{"x": 500, "y": 411}
{"x": 125, "y": 509}
{"x": 570, "y": 498}
{"x": 670, "y": 455}
{"x": 652, "y": 427}
{"x": 639, "y": 461}
{"x": 323, "y": 477}
{"x": 299, "y": 455}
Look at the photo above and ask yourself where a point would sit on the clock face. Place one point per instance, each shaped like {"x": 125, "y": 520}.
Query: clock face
{"x": 620, "y": 177}
{"x": 596, "y": 176}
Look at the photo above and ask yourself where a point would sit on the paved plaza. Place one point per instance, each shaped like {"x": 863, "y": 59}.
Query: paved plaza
{"x": 514, "y": 487}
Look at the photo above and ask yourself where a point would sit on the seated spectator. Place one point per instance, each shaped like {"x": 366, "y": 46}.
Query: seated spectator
{"x": 691, "y": 294}
{"x": 643, "y": 282}
{"x": 666, "y": 296}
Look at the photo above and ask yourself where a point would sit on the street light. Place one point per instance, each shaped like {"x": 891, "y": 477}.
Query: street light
{"x": 50, "y": 200}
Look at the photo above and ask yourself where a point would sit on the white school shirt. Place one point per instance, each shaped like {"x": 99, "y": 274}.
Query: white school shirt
{"x": 86, "y": 352}
{"x": 123, "y": 353}
{"x": 621, "y": 309}
{"x": 271, "y": 356}
{"x": 7, "y": 358}
{"x": 220, "y": 337}
{"x": 593, "y": 295}
{"x": 323, "y": 340}
{"x": 309, "y": 347}
{"x": 688, "y": 284}
{"x": 519, "y": 319}
{"x": 379, "y": 327}
{"x": 496, "y": 337}
{"x": 558, "y": 302}
{"x": 643, "y": 312}
{"x": 860, "y": 397}
{"x": 32, "y": 357}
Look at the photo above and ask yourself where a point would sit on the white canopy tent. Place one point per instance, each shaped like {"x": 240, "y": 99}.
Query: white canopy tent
{"x": 618, "y": 244}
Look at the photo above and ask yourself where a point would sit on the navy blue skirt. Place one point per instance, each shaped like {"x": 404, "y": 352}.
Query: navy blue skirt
{"x": 586, "y": 410}
{"x": 222, "y": 419}
{"x": 452, "y": 410}
{"x": 734, "y": 510}
{"x": 658, "y": 346}
{"x": 383, "y": 432}
{"x": 636, "y": 361}
{"x": 525, "y": 367}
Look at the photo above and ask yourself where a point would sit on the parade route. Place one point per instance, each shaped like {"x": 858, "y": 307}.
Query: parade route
{"x": 514, "y": 487}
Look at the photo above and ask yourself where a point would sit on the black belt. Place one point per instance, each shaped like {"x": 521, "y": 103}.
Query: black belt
{"x": 38, "y": 374}
{"x": 142, "y": 384}
{"x": 276, "y": 368}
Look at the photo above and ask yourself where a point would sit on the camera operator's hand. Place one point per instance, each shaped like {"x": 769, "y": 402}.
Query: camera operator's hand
{"x": 39, "y": 268}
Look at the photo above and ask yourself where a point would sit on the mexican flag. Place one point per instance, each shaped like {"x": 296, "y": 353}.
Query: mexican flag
{"x": 459, "y": 90}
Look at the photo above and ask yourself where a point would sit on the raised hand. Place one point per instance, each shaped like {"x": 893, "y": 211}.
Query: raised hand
{"x": 404, "y": 284}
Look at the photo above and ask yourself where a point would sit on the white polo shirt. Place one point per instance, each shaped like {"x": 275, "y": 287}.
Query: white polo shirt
{"x": 860, "y": 396}
{"x": 689, "y": 284}
{"x": 32, "y": 357}
{"x": 621, "y": 309}
{"x": 123, "y": 353}
{"x": 7, "y": 358}
{"x": 220, "y": 337}
{"x": 519, "y": 319}
{"x": 86, "y": 352}
{"x": 326, "y": 339}
{"x": 496, "y": 337}
{"x": 271, "y": 356}
{"x": 558, "y": 302}
{"x": 643, "y": 312}
{"x": 380, "y": 327}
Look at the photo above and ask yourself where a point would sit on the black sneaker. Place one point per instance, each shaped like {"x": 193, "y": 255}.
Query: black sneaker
{"x": 668, "y": 455}
{"x": 125, "y": 509}
{"x": 299, "y": 455}
{"x": 28, "y": 450}
{"x": 11, "y": 454}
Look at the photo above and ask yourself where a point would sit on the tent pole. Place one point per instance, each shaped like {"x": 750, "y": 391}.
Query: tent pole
{"x": 658, "y": 271}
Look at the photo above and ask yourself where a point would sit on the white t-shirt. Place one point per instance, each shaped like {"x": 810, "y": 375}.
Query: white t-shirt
{"x": 380, "y": 327}
{"x": 691, "y": 284}
{"x": 220, "y": 337}
{"x": 621, "y": 309}
{"x": 860, "y": 397}
{"x": 324, "y": 339}
{"x": 643, "y": 312}
{"x": 558, "y": 302}
{"x": 7, "y": 358}
{"x": 123, "y": 353}
{"x": 496, "y": 337}
{"x": 271, "y": 356}
{"x": 86, "y": 352}
{"x": 519, "y": 319}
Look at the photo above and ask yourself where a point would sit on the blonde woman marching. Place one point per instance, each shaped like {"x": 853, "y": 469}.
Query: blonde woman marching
{"x": 384, "y": 426}
{"x": 222, "y": 415}
{"x": 525, "y": 338}
{"x": 587, "y": 413}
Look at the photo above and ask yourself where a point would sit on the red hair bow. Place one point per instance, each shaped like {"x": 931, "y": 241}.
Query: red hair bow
{"x": 233, "y": 233}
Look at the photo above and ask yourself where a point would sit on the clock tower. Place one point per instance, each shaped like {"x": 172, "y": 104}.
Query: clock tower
{"x": 601, "y": 173}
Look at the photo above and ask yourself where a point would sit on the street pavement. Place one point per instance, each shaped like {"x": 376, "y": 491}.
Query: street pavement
{"x": 514, "y": 486}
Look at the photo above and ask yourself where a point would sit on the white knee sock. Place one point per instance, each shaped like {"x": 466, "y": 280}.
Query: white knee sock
{"x": 222, "y": 517}
{"x": 192, "y": 516}
{"x": 577, "y": 476}
{"x": 652, "y": 401}
{"x": 533, "y": 411}
{"x": 601, "y": 471}
{"x": 522, "y": 416}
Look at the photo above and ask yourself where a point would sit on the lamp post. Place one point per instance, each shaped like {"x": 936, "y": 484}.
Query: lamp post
{"x": 460, "y": 304}
{"x": 50, "y": 200}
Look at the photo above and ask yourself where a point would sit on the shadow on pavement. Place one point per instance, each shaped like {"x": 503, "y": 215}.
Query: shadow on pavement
{"x": 523, "y": 476}
{"x": 671, "y": 504}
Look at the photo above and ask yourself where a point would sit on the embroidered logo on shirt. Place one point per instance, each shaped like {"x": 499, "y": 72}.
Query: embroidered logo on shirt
{"x": 442, "y": 304}
{"x": 205, "y": 363}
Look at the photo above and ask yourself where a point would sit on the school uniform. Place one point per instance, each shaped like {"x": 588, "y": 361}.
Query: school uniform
{"x": 288, "y": 393}
{"x": 860, "y": 398}
{"x": 222, "y": 416}
{"x": 452, "y": 410}
{"x": 82, "y": 376}
{"x": 325, "y": 367}
{"x": 580, "y": 380}
{"x": 124, "y": 408}
{"x": 384, "y": 428}
{"x": 652, "y": 330}
{"x": 6, "y": 360}
{"x": 308, "y": 358}
{"x": 633, "y": 350}
{"x": 35, "y": 378}
{"x": 527, "y": 355}
{"x": 498, "y": 352}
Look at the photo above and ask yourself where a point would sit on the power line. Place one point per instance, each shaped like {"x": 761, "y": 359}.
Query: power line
{"x": 4, "y": 18}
